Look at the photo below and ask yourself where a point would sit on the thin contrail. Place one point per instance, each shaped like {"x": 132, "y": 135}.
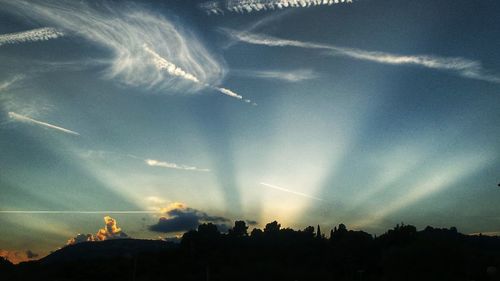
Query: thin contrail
{"x": 39, "y": 34}
{"x": 26, "y": 119}
{"x": 79, "y": 212}
{"x": 290, "y": 191}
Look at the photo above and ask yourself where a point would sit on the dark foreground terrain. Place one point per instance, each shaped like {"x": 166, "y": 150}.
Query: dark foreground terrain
{"x": 402, "y": 253}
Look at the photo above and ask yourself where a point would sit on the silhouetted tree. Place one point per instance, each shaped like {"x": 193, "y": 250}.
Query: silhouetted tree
{"x": 6, "y": 269}
{"x": 256, "y": 233}
{"x": 401, "y": 234}
{"x": 339, "y": 232}
{"x": 272, "y": 228}
{"x": 239, "y": 230}
{"x": 208, "y": 230}
{"x": 318, "y": 233}
{"x": 401, "y": 253}
{"x": 309, "y": 232}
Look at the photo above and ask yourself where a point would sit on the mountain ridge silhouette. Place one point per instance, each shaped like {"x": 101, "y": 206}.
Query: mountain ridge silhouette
{"x": 274, "y": 253}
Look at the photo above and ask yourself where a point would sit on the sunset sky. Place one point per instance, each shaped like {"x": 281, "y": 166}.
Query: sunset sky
{"x": 166, "y": 114}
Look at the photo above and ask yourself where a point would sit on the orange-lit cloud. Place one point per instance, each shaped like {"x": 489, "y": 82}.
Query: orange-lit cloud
{"x": 110, "y": 231}
{"x": 18, "y": 256}
{"x": 173, "y": 206}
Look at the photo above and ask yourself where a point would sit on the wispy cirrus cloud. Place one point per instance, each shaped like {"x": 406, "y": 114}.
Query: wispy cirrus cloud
{"x": 39, "y": 34}
{"x": 25, "y": 119}
{"x": 20, "y": 102}
{"x": 173, "y": 59}
{"x": 461, "y": 66}
{"x": 248, "y": 6}
{"x": 169, "y": 165}
{"x": 288, "y": 76}
{"x": 7, "y": 84}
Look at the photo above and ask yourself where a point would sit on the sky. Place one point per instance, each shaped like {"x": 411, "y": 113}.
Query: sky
{"x": 160, "y": 115}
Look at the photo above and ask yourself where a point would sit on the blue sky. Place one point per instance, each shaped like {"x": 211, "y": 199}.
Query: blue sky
{"x": 368, "y": 113}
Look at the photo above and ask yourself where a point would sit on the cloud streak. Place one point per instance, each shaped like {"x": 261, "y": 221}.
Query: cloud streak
{"x": 458, "y": 65}
{"x": 287, "y": 76}
{"x": 101, "y": 155}
{"x": 249, "y": 6}
{"x": 163, "y": 64}
{"x": 26, "y": 119}
{"x": 39, "y": 34}
{"x": 230, "y": 93}
{"x": 290, "y": 191}
{"x": 172, "y": 69}
{"x": 168, "y": 165}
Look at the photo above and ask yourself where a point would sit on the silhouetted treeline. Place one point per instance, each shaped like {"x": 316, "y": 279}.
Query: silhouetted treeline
{"x": 275, "y": 253}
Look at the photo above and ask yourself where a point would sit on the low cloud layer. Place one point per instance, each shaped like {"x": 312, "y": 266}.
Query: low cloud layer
{"x": 31, "y": 255}
{"x": 179, "y": 218}
{"x": 248, "y": 6}
{"x": 110, "y": 231}
{"x": 460, "y": 66}
{"x": 18, "y": 256}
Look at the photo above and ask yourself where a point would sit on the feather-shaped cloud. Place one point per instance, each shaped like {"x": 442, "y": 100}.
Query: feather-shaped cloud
{"x": 123, "y": 30}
